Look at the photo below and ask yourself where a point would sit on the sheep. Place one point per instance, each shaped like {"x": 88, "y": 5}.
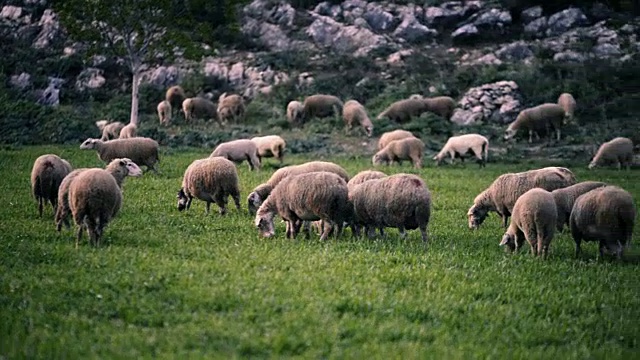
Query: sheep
{"x": 534, "y": 218}
{"x": 607, "y": 215}
{"x": 175, "y": 95}
{"x": 164, "y": 112}
{"x": 239, "y": 151}
{"x": 262, "y": 191}
{"x": 566, "y": 197}
{"x": 405, "y": 149}
{"x": 402, "y": 201}
{"x": 129, "y": 131}
{"x": 440, "y": 105}
{"x": 141, "y": 150}
{"x": 459, "y": 146}
{"x": 212, "y": 179}
{"x": 568, "y": 104}
{"x": 353, "y": 112}
{"x": 618, "y": 151}
{"x": 230, "y": 107}
{"x": 363, "y": 176}
{"x": 294, "y": 112}
{"x": 46, "y": 175}
{"x": 502, "y": 194}
{"x": 270, "y": 146}
{"x": 403, "y": 110}
{"x": 94, "y": 199}
{"x": 109, "y": 130}
{"x": 198, "y": 107}
{"x": 535, "y": 119}
{"x": 320, "y": 106}
{"x": 416, "y": 97}
{"x": 388, "y": 137}
{"x": 310, "y": 196}
{"x": 118, "y": 168}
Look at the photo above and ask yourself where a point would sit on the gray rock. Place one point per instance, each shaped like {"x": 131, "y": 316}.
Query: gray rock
{"x": 536, "y": 28}
{"x": 327, "y": 32}
{"x": 600, "y": 11}
{"x": 90, "y": 78}
{"x": 606, "y": 50}
{"x": 236, "y": 74}
{"x": 215, "y": 69}
{"x": 269, "y": 35}
{"x": 49, "y": 29}
{"x": 466, "y": 117}
{"x": 21, "y": 81}
{"x": 411, "y": 30}
{"x": 564, "y": 20}
{"x": 379, "y": 19}
{"x": 162, "y": 76}
{"x": 488, "y": 59}
{"x": 326, "y": 9}
{"x": 12, "y": 13}
{"x": 530, "y": 14}
{"x": 350, "y": 5}
{"x": 569, "y": 56}
{"x": 465, "y": 32}
{"x": 450, "y": 13}
{"x": 497, "y": 102}
{"x": 627, "y": 29}
{"x": 516, "y": 51}
{"x": 493, "y": 18}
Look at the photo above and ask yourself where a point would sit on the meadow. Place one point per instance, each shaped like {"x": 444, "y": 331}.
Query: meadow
{"x": 169, "y": 284}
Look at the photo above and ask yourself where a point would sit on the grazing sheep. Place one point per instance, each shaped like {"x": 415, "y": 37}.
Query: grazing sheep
{"x": 270, "y": 146}
{"x": 568, "y": 103}
{"x": 109, "y": 130}
{"x": 213, "y": 179}
{"x": 320, "y": 106}
{"x": 534, "y": 219}
{"x": 502, "y": 194}
{"x": 535, "y": 119}
{"x": 353, "y": 112}
{"x": 405, "y": 149}
{"x": 46, "y": 175}
{"x": 403, "y": 110}
{"x": 230, "y": 107}
{"x": 129, "y": 131}
{"x": 94, "y": 199}
{"x": 239, "y": 151}
{"x": 441, "y": 105}
{"x": 175, "y": 96}
{"x": 459, "y": 146}
{"x": 618, "y": 151}
{"x": 389, "y": 136}
{"x": 141, "y": 150}
{"x": 566, "y": 197}
{"x": 402, "y": 201}
{"x": 200, "y": 108}
{"x": 607, "y": 215}
{"x": 164, "y": 112}
{"x": 294, "y": 112}
{"x": 262, "y": 191}
{"x": 306, "y": 197}
{"x": 364, "y": 176}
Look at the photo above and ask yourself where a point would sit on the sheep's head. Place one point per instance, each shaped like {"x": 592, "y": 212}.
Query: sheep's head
{"x": 592, "y": 164}
{"x": 379, "y": 159}
{"x": 509, "y": 240}
{"x": 253, "y": 202}
{"x": 438, "y": 159}
{"x": 265, "y": 225}
{"x": 183, "y": 200}
{"x": 368, "y": 128}
{"x": 89, "y": 144}
{"x": 509, "y": 133}
{"x": 132, "y": 168}
{"x": 476, "y": 217}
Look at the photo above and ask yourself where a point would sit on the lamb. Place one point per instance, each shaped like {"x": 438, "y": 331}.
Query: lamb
{"x": 402, "y": 201}
{"x": 270, "y": 146}
{"x": 405, "y": 149}
{"x": 536, "y": 119}
{"x": 141, "y": 150}
{"x": 607, "y": 215}
{"x": 364, "y": 176}
{"x": 534, "y": 219}
{"x": 320, "y": 106}
{"x": 459, "y": 146}
{"x": 502, "y": 194}
{"x": 164, "y": 112}
{"x": 129, "y": 131}
{"x": 175, "y": 96}
{"x": 109, "y": 130}
{"x": 118, "y": 168}
{"x": 403, "y": 110}
{"x": 566, "y": 197}
{"x": 94, "y": 199}
{"x": 568, "y": 104}
{"x": 388, "y": 137}
{"x": 213, "y": 179}
{"x": 46, "y": 175}
{"x": 618, "y": 151}
{"x": 230, "y": 107}
{"x": 310, "y": 196}
{"x": 440, "y": 105}
{"x": 294, "y": 112}
{"x": 197, "y": 107}
{"x": 353, "y": 112}
{"x": 262, "y": 191}
{"x": 239, "y": 151}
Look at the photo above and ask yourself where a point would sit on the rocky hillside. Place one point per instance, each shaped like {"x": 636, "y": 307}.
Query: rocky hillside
{"x": 493, "y": 60}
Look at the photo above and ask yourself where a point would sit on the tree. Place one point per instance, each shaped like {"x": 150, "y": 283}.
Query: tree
{"x": 141, "y": 32}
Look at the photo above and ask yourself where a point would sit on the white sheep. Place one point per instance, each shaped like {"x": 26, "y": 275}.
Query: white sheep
{"x": 566, "y": 197}
{"x": 533, "y": 219}
{"x": 109, "y": 130}
{"x": 410, "y": 148}
{"x": 536, "y": 119}
{"x": 389, "y": 136}
{"x": 353, "y": 112}
{"x": 46, "y": 175}
{"x": 568, "y": 103}
{"x": 129, "y": 131}
{"x": 403, "y": 110}
{"x": 618, "y": 151}
{"x": 320, "y": 105}
{"x": 294, "y": 112}
{"x": 605, "y": 214}
{"x": 164, "y": 112}
{"x": 270, "y": 146}
{"x": 230, "y": 107}
{"x": 459, "y": 146}
{"x": 141, "y": 150}
{"x": 212, "y": 179}
{"x": 364, "y": 176}
{"x": 239, "y": 151}
{"x": 502, "y": 194}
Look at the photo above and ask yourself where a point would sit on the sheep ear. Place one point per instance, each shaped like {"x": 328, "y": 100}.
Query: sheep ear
{"x": 123, "y": 162}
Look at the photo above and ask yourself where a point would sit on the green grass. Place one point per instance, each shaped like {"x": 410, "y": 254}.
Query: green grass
{"x": 174, "y": 285}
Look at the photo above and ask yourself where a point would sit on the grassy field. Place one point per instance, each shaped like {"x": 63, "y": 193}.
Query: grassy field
{"x": 170, "y": 284}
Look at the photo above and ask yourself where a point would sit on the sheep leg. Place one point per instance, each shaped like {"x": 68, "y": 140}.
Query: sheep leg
{"x": 530, "y": 136}
{"x": 505, "y": 220}
{"x": 371, "y": 232}
{"x": 40, "y": 205}
{"x": 189, "y": 202}
{"x": 578, "y": 239}
{"x": 557, "y": 134}
{"x": 423, "y": 233}
{"x": 221, "y": 201}
{"x": 206, "y": 211}
{"x": 602, "y": 250}
{"x": 236, "y": 200}
{"x": 403, "y": 233}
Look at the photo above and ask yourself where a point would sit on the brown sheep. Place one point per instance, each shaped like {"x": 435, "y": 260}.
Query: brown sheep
{"x": 441, "y": 105}
{"x": 568, "y": 103}
{"x": 321, "y": 106}
{"x": 46, "y": 175}
{"x": 389, "y": 136}
{"x": 175, "y": 96}
{"x": 398, "y": 150}
{"x": 230, "y": 108}
{"x": 201, "y": 108}
{"x": 403, "y": 110}
{"x": 618, "y": 151}
{"x": 353, "y": 112}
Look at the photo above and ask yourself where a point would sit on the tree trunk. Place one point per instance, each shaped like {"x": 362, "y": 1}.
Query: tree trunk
{"x": 135, "y": 82}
